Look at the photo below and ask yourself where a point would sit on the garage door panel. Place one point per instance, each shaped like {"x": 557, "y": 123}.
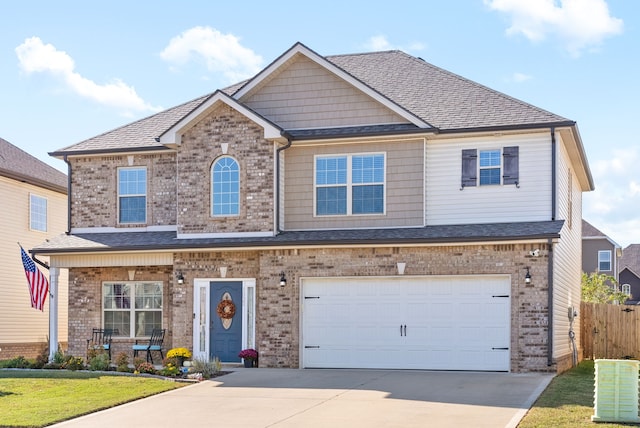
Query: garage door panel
{"x": 447, "y": 323}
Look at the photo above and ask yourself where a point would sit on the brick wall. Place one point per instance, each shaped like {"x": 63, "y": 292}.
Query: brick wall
{"x": 201, "y": 146}
{"x": 278, "y": 308}
{"x": 95, "y": 193}
{"x": 85, "y": 303}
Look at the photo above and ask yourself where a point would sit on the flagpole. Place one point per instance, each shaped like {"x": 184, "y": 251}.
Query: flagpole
{"x": 54, "y": 273}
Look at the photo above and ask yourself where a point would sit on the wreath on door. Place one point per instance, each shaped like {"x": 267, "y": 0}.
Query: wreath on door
{"x": 226, "y": 309}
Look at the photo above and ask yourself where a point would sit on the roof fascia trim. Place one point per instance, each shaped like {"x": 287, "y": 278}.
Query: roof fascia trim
{"x": 98, "y": 152}
{"x": 300, "y": 48}
{"x": 173, "y": 135}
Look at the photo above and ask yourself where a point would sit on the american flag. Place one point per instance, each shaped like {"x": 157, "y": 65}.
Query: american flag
{"x": 38, "y": 283}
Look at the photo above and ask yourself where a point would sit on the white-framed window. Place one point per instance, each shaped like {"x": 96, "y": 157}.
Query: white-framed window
{"x": 133, "y": 308}
{"x": 626, "y": 289}
{"x": 37, "y": 213}
{"x": 132, "y": 195}
{"x": 490, "y": 167}
{"x": 351, "y": 184}
{"x": 225, "y": 187}
{"x": 604, "y": 260}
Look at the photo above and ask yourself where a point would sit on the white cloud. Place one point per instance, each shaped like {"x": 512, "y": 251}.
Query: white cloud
{"x": 614, "y": 204}
{"x": 36, "y": 57}
{"x": 520, "y": 77}
{"x": 579, "y": 24}
{"x": 380, "y": 43}
{"x": 220, "y": 52}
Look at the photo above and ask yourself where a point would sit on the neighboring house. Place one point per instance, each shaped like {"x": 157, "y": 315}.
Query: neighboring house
{"x": 629, "y": 273}
{"x": 600, "y": 254}
{"x": 34, "y": 207}
{"x": 366, "y": 210}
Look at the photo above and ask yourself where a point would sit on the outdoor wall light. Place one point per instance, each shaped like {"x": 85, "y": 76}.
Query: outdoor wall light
{"x": 283, "y": 279}
{"x": 527, "y": 277}
{"x": 180, "y": 277}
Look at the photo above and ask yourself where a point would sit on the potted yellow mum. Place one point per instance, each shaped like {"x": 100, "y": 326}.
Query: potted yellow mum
{"x": 180, "y": 354}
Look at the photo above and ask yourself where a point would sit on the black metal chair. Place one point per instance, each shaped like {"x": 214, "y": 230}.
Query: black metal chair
{"x": 101, "y": 340}
{"x": 153, "y": 344}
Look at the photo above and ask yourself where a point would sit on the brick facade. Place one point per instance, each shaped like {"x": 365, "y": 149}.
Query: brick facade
{"x": 278, "y": 308}
{"x": 201, "y": 146}
{"x": 94, "y": 187}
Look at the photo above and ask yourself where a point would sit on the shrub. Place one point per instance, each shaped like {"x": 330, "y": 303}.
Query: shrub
{"x": 100, "y": 362}
{"x": 145, "y": 367}
{"x": 170, "y": 370}
{"x": 122, "y": 362}
{"x": 73, "y": 363}
{"x": 208, "y": 368}
{"x": 58, "y": 357}
{"x": 19, "y": 362}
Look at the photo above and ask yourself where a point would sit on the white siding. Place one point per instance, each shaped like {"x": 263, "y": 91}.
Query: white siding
{"x": 305, "y": 95}
{"x": 447, "y": 204}
{"x": 19, "y": 323}
{"x": 567, "y": 254}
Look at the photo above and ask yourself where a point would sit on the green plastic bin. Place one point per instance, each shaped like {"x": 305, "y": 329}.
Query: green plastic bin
{"x": 616, "y": 391}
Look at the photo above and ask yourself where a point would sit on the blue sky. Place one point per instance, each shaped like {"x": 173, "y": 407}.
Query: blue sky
{"x": 70, "y": 70}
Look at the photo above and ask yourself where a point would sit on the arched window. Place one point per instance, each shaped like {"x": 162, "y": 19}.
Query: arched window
{"x": 626, "y": 289}
{"x": 225, "y": 187}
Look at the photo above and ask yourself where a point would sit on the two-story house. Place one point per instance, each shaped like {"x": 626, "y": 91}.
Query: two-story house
{"x": 629, "y": 273}
{"x": 367, "y": 210}
{"x": 600, "y": 253}
{"x": 34, "y": 208}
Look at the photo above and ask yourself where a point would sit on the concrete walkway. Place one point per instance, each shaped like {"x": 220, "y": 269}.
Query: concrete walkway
{"x": 324, "y": 398}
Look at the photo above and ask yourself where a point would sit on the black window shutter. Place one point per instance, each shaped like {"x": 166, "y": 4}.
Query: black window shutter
{"x": 469, "y": 167}
{"x": 510, "y": 156}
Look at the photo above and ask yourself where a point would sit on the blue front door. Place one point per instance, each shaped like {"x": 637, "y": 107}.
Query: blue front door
{"x": 226, "y": 320}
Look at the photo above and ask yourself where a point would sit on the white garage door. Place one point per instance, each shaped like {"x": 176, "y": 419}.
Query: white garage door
{"x": 436, "y": 323}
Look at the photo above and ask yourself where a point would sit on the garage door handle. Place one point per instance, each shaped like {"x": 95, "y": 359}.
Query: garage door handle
{"x": 500, "y": 349}
{"x": 403, "y": 330}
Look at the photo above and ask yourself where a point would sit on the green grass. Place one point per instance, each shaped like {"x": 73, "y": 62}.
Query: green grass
{"x": 567, "y": 402}
{"x": 36, "y": 398}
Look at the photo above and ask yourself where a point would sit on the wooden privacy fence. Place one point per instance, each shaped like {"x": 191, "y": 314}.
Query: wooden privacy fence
{"x": 610, "y": 331}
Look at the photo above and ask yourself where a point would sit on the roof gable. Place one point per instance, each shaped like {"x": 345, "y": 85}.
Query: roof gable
{"x": 249, "y": 90}
{"x": 301, "y": 94}
{"x": 173, "y": 135}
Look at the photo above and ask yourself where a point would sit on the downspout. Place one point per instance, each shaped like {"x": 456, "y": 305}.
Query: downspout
{"x": 550, "y": 304}
{"x": 554, "y": 179}
{"x": 278, "y": 150}
{"x": 66, "y": 160}
{"x": 553, "y": 174}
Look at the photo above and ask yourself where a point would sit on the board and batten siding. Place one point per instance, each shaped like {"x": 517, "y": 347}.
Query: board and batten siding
{"x": 19, "y": 322}
{"x": 567, "y": 258}
{"x": 446, "y": 203}
{"x": 404, "y": 186}
{"x": 306, "y": 95}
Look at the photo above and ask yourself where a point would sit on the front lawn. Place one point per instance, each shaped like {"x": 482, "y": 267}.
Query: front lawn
{"x": 36, "y": 398}
{"x": 567, "y": 402}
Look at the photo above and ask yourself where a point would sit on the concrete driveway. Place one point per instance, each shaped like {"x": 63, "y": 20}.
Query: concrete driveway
{"x": 321, "y": 398}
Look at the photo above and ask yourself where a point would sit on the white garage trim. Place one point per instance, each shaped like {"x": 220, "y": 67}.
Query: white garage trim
{"x": 401, "y": 322}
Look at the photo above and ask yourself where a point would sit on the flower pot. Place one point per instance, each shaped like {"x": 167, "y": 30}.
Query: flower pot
{"x": 248, "y": 362}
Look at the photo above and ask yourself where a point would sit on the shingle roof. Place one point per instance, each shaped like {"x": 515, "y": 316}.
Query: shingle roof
{"x": 132, "y": 241}
{"x": 588, "y": 230}
{"x": 140, "y": 135}
{"x": 19, "y": 165}
{"x": 630, "y": 258}
{"x": 438, "y": 97}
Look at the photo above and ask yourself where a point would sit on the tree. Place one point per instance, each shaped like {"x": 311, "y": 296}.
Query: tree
{"x": 601, "y": 288}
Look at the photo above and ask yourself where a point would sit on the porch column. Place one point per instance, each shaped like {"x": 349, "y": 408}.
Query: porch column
{"x": 54, "y": 273}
